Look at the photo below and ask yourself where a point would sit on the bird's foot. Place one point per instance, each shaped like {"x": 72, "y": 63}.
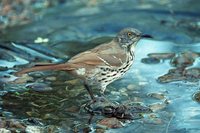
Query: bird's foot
{"x": 97, "y": 104}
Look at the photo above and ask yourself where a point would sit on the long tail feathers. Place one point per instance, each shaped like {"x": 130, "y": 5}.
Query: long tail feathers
{"x": 45, "y": 67}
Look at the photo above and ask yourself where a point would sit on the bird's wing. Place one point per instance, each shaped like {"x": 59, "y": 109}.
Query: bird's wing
{"x": 107, "y": 54}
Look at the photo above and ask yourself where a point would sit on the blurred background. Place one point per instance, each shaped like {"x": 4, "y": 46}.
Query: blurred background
{"x": 165, "y": 75}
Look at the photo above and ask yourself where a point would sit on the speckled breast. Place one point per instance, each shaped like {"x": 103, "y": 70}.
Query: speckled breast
{"x": 110, "y": 74}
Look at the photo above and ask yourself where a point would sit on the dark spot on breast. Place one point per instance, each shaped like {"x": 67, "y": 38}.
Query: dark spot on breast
{"x": 107, "y": 69}
{"x": 114, "y": 74}
{"x": 103, "y": 79}
{"x": 122, "y": 71}
{"x": 103, "y": 73}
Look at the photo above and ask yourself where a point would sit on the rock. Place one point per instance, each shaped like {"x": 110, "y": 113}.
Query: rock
{"x": 110, "y": 123}
{"x": 192, "y": 74}
{"x": 150, "y": 60}
{"x": 72, "y": 82}
{"x": 162, "y": 56}
{"x": 34, "y": 129}
{"x": 51, "y": 78}
{"x": 172, "y": 75}
{"x": 131, "y": 87}
{"x": 39, "y": 87}
{"x": 49, "y": 116}
{"x": 196, "y": 96}
{"x": 178, "y": 74}
{"x": 3, "y": 130}
{"x": 159, "y": 96}
{"x": 100, "y": 130}
{"x": 157, "y": 106}
{"x": 183, "y": 60}
{"x": 3, "y": 68}
{"x": 23, "y": 79}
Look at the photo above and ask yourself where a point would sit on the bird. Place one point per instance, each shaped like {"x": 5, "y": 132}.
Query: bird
{"x": 101, "y": 65}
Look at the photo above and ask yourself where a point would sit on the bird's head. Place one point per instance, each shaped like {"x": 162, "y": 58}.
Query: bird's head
{"x": 129, "y": 37}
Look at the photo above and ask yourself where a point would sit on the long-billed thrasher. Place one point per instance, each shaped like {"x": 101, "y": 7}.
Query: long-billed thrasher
{"x": 101, "y": 65}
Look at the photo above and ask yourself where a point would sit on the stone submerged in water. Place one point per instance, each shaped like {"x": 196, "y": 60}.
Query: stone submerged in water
{"x": 161, "y": 56}
{"x": 150, "y": 60}
{"x": 180, "y": 74}
{"x": 196, "y": 96}
{"x": 110, "y": 123}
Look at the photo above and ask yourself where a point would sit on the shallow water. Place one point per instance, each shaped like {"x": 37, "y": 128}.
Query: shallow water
{"x": 56, "y": 98}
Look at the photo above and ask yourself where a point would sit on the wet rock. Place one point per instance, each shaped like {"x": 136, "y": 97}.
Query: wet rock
{"x": 39, "y": 87}
{"x": 131, "y": 87}
{"x": 192, "y": 74}
{"x": 150, "y": 60}
{"x": 196, "y": 96}
{"x": 11, "y": 124}
{"x": 54, "y": 129}
{"x": 23, "y": 79}
{"x": 34, "y": 129}
{"x": 3, "y": 68}
{"x": 100, "y": 130}
{"x": 36, "y": 75}
{"x": 33, "y": 121}
{"x": 72, "y": 82}
{"x": 110, "y": 123}
{"x": 7, "y": 114}
{"x": 180, "y": 74}
{"x": 171, "y": 76}
{"x": 3, "y": 130}
{"x": 72, "y": 109}
{"x": 50, "y": 117}
{"x": 159, "y": 96}
{"x": 51, "y": 78}
{"x": 183, "y": 60}
{"x": 161, "y": 56}
{"x": 157, "y": 106}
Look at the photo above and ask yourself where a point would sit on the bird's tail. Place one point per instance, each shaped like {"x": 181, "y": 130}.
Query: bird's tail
{"x": 44, "y": 68}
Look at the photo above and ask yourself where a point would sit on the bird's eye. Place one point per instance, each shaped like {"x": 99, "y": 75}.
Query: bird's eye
{"x": 129, "y": 34}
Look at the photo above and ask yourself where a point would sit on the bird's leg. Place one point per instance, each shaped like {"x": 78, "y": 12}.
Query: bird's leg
{"x": 89, "y": 91}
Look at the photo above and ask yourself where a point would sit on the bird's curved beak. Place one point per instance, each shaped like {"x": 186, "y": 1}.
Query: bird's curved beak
{"x": 146, "y": 36}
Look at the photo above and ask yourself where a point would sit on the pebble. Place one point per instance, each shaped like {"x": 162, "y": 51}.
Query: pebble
{"x": 34, "y": 129}
{"x": 162, "y": 55}
{"x": 3, "y": 68}
{"x": 150, "y": 60}
{"x": 159, "y": 96}
{"x": 39, "y": 87}
{"x": 52, "y": 78}
{"x": 196, "y": 96}
{"x": 184, "y": 59}
{"x": 110, "y": 123}
{"x": 3, "y": 130}
{"x": 122, "y": 90}
{"x": 157, "y": 106}
{"x": 23, "y": 79}
{"x": 115, "y": 93}
{"x": 143, "y": 83}
{"x": 131, "y": 87}
{"x": 50, "y": 116}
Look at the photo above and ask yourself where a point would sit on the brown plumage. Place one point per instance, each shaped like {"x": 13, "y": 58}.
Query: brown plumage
{"x": 101, "y": 65}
